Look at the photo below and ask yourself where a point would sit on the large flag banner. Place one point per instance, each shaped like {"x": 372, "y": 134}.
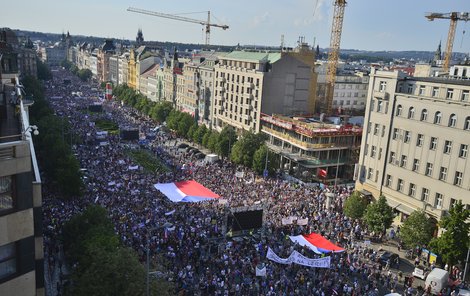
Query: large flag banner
{"x": 186, "y": 191}
{"x": 316, "y": 243}
{"x": 300, "y": 259}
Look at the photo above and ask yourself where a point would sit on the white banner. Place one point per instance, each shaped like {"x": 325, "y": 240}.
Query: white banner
{"x": 239, "y": 174}
{"x": 286, "y": 221}
{"x": 260, "y": 271}
{"x": 170, "y": 213}
{"x": 300, "y": 259}
{"x": 302, "y": 221}
{"x": 133, "y": 168}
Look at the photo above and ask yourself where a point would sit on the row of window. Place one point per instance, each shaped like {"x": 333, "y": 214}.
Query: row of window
{"x": 435, "y": 90}
{"x": 452, "y": 122}
{"x": 412, "y": 191}
{"x": 403, "y": 162}
{"x": 7, "y": 260}
{"x": 348, "y": 102}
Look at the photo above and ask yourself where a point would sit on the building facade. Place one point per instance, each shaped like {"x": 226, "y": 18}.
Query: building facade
{"x": 313, "y": 151}
{"x": 250, "y": 83}
{"x": 414, "y": 148}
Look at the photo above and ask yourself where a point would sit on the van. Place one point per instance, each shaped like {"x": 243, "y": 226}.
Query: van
{"x": 437, "y": 279}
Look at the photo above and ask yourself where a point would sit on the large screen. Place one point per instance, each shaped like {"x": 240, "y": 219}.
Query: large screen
{"x": 245, "y": 220}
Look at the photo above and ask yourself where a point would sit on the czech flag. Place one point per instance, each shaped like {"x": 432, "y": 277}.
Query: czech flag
{"x": 186, "y": 191}
{"x": 316, "y": 243}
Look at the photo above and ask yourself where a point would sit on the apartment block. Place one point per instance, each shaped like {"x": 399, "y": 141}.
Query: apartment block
{"x": 415, "y": 143}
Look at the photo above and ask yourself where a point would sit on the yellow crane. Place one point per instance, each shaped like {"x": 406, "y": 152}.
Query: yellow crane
{"x": 333, "y": 54}
{"x": 453, "y": 17}
{"x": 207, "y": 23}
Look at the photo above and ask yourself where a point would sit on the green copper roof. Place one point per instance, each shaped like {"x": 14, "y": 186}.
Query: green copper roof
{"x": 254, "y": 56}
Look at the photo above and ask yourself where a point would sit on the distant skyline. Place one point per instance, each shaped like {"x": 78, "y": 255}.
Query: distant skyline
{"x": 368, "y": 24}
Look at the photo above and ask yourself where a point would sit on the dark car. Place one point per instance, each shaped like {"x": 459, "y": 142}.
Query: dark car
{"x": 393, "y": 258}
{"x": 200, "y": 155}
{"x": 182, "y": 145}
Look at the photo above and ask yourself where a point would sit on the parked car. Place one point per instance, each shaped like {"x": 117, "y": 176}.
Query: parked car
{"x": 393, "y": 258}
{"x": 183, "y": 145}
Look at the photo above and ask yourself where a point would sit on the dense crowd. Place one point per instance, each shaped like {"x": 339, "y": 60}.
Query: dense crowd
{"x": 201, "y": 258}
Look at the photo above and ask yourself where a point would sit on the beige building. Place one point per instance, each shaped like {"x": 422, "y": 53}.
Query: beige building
{"x": 248, "y": 84}
{"x": 415, "y": 145}
{"x": 21, "y": 242}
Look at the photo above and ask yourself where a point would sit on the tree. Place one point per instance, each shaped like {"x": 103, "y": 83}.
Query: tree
{"x": 259, "y": 160}
{"x": 453, "y": 243}
{"x": 44, "y": 73}
{"x": 416, "y": 230}
{"x": 244, "y": 149}
{"x": 354, "y": 206}
{"x": 212, "y": 141}
{"x": 379, "y": 216}
{"x": 199, "y": 134}
{"x": 192, "y": 130}
{"x": 205, "y": 139}
{"x": 225, "y": 141}
{"x": 161, "y": 111}
{"x": 85, "y": 74}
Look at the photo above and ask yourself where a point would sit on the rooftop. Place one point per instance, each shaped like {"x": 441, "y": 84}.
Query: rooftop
{"x": 253, "y": 56}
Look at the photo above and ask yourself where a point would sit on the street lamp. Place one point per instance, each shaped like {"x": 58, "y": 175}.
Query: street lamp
{"x": 29, "y": 129}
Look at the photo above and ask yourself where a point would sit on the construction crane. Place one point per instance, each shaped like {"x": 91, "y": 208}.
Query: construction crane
{"x": 453, "y": 17}
{"x": 333, "y": 55}
{"x": 207, "y": 23}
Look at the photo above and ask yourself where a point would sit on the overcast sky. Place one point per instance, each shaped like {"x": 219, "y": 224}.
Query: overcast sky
{"x": 368, "y": 24}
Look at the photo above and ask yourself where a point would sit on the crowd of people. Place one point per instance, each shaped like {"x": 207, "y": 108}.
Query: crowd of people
{"x": 191, "y": 238}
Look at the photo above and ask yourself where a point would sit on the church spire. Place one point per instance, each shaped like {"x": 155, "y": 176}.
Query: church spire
{"x": 140, "y": 37}
{"x": 437, "y": 54}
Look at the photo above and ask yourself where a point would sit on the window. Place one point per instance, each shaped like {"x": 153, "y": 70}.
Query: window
{"x": 383, "y": 86}
{"x": 403, "y": 161}
{"x": 383, "y": 130}
{"x": 425, "y": 194}
{"x": 392, "y": 157}
{"x": 369, "y": 127}
{"x": 422, "y": 89}
{"x": 411, "y": 113}
{"x": 7, "y": 260}
{"x": 380, "y": 153}
{"x": 438, "y": 201}
{"x": 369, "y": 173}
{"x": 443, "y": 174}
{"x": 465, "y": 95}
{"x": 415, "y": 165}
{"x": 463, "y": 150}
{"x": 450, "y": 93}
{"x": 388, "y": 181}
{"x": 366, "y": 149}
{"x": 467, "y": 124}
{"x": 433, "y": 143}
{"x": 410, "y": 88}
{"x": 395, "y": 134}
{"x": 420, "y": 140}
{"x": 437, "y": 117}
{"x": 424, "y": 115}
{"x": 380, "y": 106}
{"x": 376, "y": 129}
{"x": 373, "y": 151}
{"x": 452, "y": 203}
{"x": 6, "y": 194}
{"x": 448, "y": 147}
{"x": 399, "y": 110}
{"x": 453, "y": 120}
{"x": 372, "y": 103}
{"x": 407, "y": 138}
{"x": 412, "y": 190}
{"x": 458, "y": 178}
{"x": 435, "y": 91}
{"x": 428, "y": 171}
{"x": 400, "y": 185}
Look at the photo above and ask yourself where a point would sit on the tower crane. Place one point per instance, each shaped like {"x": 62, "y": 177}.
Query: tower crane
{"x": 333, "y": 55}
{"x": 207, "y": 23}
{"x": 453, "y": 17}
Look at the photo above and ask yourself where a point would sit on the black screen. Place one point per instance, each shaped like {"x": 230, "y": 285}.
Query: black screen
{"x": 245, "y": 220}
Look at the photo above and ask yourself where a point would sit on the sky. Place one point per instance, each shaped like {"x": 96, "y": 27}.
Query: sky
{"x": 368, "y": 24}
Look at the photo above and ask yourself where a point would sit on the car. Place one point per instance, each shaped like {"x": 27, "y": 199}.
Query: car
{"x": 183, "y": 145}
{"x": 420, "y": 272}
{"x": 200, "y": 155}
{"x": 389, "y": 256}
{"x": 195, "y": 151}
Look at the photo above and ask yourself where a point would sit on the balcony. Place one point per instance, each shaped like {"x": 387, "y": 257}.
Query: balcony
{"x": 381, "y": 95}
{"x": 249, "y": 84}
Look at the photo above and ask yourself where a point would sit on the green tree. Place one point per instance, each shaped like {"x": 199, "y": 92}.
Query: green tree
{"x": 416, "y": 230}
{"x": 205, "y": 139}
{"x": 161, "y": 111}
{"x": 199, "y": 134}
{"x": 244, "y": 149}
{"x": 225, "y": 141}
{"x": 212, "y": 141}
{"x": 184, "y": 124}
{"x": 454, "y": 242}
{"x": 191, "y": 132}
{"x": 85, "y": 74}
{"x": 379, "y": 216}
{"x": 259, "y": 160}
{"x": 44, "y": 73}
{"x": 354, "y": 206}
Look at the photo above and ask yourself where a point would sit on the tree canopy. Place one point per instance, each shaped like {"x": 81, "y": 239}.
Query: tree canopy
{"x": 355, "y": 206}
{"x": 379, "y": 216}
{"x": 259, "y": 160}
{"x": 416, "y": 230}
{"x": 245, "y": 148}
{"x": 454, "y": 242}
